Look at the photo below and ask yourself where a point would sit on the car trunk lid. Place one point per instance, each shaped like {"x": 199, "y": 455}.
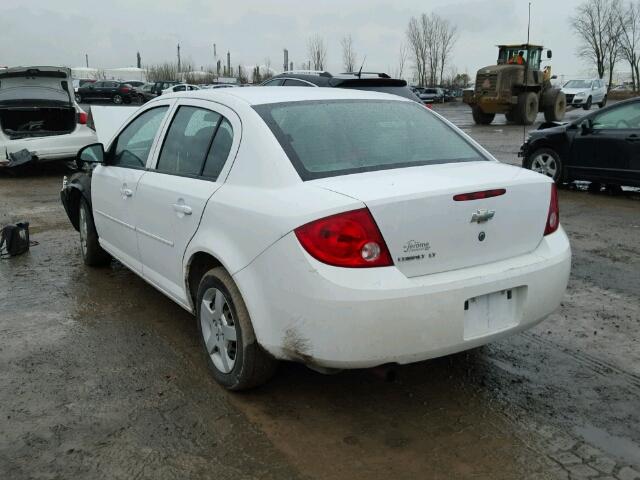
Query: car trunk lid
{"x": 427, "y": 231}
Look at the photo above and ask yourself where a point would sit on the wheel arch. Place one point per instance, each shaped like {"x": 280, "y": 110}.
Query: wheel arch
{"x": 199, "y": 263}
{"x": 76, "y": 189}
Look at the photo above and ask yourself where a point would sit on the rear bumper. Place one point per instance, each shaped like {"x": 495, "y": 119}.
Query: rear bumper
{"x": 54, "y": 147}
{"x": 306, "y": 311}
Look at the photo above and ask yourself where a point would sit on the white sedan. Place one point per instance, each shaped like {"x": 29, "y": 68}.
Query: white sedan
{"x": 181, "y": 87}
{"x": 338, "y": 228}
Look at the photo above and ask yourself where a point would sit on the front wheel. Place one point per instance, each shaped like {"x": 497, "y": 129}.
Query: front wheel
{"x": 78, "y": 98}
{"x": 603, "y": 102}
{"x": 92, "y": 253}
{"x": 480, "y": 117}
{"x": 587, "y": 106}
{"x": 233, "y": 354}
{"x": 547, "y": 162}
{"x": 117, "y": 99}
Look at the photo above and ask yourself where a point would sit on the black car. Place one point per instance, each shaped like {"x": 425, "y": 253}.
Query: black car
{"x": 106, "y": 90}
{"x": 379, "y": 82}
{"x": 602, "y": 147}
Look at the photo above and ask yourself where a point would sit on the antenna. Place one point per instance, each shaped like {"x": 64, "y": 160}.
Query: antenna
{"x": 526, "y": 70}
{"x": 359, "y": 74}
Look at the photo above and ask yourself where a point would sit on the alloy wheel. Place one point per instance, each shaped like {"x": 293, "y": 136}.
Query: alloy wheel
{"x": 218, "y": 330}
{"x": 546, "y": 164}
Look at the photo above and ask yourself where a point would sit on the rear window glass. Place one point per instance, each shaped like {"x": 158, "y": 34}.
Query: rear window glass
{"x": 338, "y": 137}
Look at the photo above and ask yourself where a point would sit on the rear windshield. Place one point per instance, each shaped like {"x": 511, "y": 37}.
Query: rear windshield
{"x": 37, "y": 94}
{"x": 338, "y": 137}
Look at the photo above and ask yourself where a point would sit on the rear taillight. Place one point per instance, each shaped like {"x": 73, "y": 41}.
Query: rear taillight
{"x": 82, "y": 118}
{"x": 553, "y": 218}
{"x": 428, "y": 105}
{"x": 125, "y": 90}
{"x": 350, "y": 239}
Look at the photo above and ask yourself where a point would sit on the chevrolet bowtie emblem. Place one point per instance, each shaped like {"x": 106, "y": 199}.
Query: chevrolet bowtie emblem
{"x": 482, "y": 215}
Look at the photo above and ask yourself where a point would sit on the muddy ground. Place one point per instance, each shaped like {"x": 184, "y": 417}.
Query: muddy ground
{"x": 102, "y": 376}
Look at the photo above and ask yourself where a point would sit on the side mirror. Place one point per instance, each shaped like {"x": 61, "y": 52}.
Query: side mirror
{"x": 93, "y": 153}
{"x": 586, "y": 127}
{"x": 553, "y": 77}
{"x": 549, "y": 54}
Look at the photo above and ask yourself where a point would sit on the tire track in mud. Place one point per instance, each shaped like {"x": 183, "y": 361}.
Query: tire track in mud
{"x": 601, "y": 367}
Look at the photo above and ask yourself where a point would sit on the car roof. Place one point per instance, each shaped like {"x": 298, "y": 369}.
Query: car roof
{"x": 266, "y": 95}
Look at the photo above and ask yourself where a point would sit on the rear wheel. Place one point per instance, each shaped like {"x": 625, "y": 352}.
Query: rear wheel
{"x": 480, "y": 117}
{"x": 547, "y": 162}
{"x": 234, "y": 356}
{"x": 78, "y": 98}
{"x": 117, "y": 99}
{"x": 587, "y": 105}
{"x": 92, "y": 253}
{"x": 527, "y": 109}
{"x": 511, "y": 117}
{"x": 603, "y": 102}
{"x": 555, "y": 105}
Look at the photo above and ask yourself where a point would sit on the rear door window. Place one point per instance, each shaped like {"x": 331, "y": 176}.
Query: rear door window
{"x": 187, "y": 141}
{"x": 219, "y": 151}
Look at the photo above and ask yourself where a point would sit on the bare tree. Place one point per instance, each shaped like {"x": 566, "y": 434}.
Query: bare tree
{"x": 431, "y": 40}
{"x": 630, "y": 40}
{"x": 418, "y": 50}
{"x": 317, "y": 52}
{"x": 446, "y": 36}
{"x": 349, "y": 57}
{"x": 267, "y": 69}
{"x": 598, "y": 28}
{"x": 403, "y": 54}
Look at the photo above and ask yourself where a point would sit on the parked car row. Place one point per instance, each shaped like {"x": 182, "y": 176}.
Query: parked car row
{"x": 437, "y": 94}
{"x": 585, "y": 93}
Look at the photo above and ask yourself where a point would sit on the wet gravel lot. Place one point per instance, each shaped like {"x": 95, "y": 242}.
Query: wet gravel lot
{"x": 101, "y": 376}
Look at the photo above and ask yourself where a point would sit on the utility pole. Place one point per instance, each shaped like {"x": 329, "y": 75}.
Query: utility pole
{"x": 229, "y": 71}
{"x": 179, "y": 67}
{"x": 290, "y": 65}
{"x": 86, "y": 59}
{"x": 286, "y": 59}
{"x": 138, "y": 60}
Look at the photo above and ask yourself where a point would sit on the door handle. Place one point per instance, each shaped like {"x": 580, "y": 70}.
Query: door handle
{"x": 181, "y": 208}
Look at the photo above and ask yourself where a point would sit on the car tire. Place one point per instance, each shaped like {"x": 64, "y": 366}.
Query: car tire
{"x": 78, "y": 98}
{"x": 117, "y": 99}
{"x": 236, "y": 360}
{"x": 511, "y": 117}
{"x": 587, "y": 105}
{"x": 547, "y": 162}
{"x": 527, "y": 108}
{"x": 127, "y": 100}
{"x": 603, "y": 102}
{"x": 480, "y": 117}
{"x": 92, "y": 253}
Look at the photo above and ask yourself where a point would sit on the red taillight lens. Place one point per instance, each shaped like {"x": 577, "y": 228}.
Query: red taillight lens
{"x": 125, "y": 90}
{"x": 428, "y": 105}
{"x": 82, "y": 118}
{"x": 553, "y": 219}
{"x": 462, "y": 197}
{"x": 350, "y": 239}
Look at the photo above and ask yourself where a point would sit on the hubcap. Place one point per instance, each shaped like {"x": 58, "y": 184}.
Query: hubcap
{"x": 83, "y": 231}
{"x": 218, "y": 330}
{"x": 545, "y": 164}
{"x": 117, "y": 99}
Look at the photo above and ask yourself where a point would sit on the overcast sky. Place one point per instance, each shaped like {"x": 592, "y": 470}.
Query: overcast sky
{"x": 60, "y": 32}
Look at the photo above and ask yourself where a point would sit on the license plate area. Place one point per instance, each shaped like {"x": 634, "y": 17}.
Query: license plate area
{"x": 492, "y": 313}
